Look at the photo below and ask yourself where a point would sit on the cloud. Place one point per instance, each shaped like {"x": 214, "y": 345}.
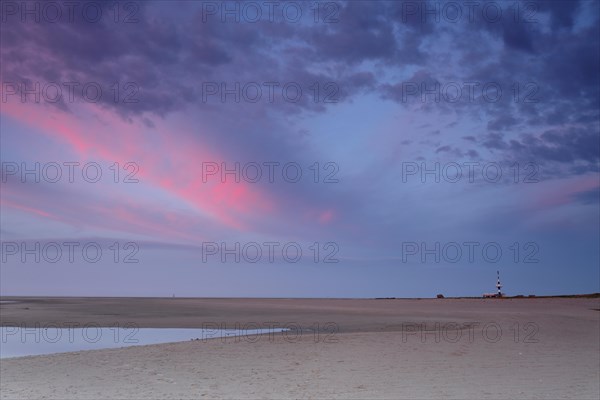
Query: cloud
{"x": 589, "y": 197}
{"x": 547, "y": 115}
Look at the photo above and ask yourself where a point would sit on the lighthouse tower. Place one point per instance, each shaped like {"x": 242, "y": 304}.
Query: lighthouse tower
{"x": 499, "y": 285}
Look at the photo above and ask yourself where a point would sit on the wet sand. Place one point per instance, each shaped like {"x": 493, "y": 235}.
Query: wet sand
{"x": 392, "y": 349}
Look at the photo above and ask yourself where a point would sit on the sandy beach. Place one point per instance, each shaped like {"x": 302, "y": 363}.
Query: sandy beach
{"x": 386, "y": 349}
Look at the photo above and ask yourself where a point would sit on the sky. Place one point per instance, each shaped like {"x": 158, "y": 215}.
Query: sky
{"x": 299, "y": 149}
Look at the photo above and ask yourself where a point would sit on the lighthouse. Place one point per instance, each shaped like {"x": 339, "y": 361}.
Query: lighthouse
{"x": 499, "y": 285}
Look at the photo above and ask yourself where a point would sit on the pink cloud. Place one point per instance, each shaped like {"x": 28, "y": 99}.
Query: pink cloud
{"x": 175, "y": 168}
{"x": 326, "y": 217}
{"x": 562, "y": 192}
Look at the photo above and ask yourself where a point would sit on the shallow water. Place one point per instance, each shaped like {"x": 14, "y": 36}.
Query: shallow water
{"x": 20, "y": 342}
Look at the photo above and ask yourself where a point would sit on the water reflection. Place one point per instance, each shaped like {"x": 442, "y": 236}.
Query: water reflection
{"x": 21, "y": 341}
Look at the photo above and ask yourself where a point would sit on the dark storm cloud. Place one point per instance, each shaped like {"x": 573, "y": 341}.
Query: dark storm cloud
{"x": 562, "y": 12}
{"x": 495, "y": 141}
{"x": 170, "y": 52}
{"x": 502, "y": 123}
{"x": 553, "y": 68}
{"x": 365, "y": 32}
{"x": 83, "y": 52}
{"x": 518, "y": 37}
{"x": 473, "y": 154}
{"x": 566, "y": 147}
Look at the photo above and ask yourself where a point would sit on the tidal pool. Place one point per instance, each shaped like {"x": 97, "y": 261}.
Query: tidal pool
{"x": 21, "y": 341}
